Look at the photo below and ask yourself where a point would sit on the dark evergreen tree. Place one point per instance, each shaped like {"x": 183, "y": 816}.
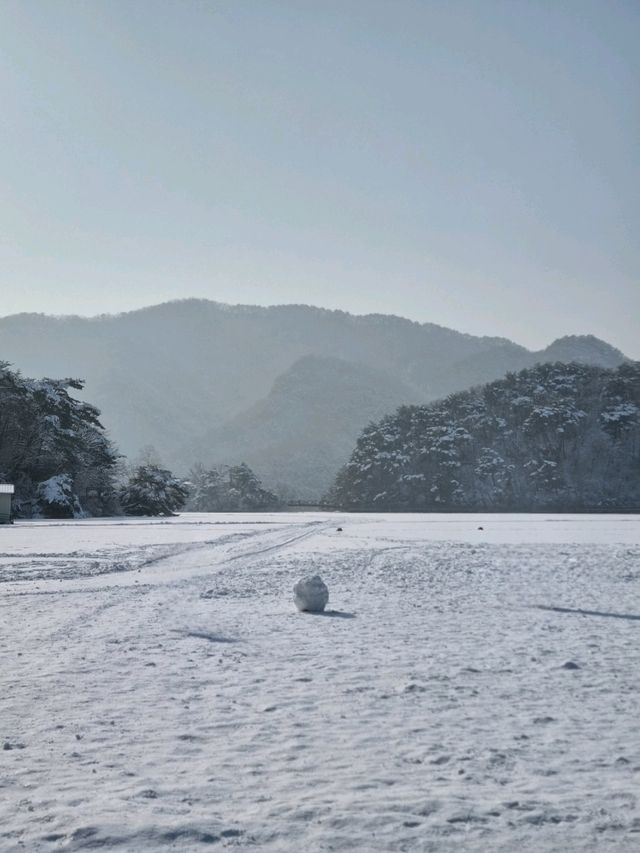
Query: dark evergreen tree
{"x": 53, "y": 448}
{"x": 152, "y": 490}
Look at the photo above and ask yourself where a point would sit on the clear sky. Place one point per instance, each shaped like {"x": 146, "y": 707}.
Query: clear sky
{"x": 473, "y": 163}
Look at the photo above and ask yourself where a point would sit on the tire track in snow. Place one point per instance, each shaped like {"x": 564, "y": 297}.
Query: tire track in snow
{"x": 121, "y": 590}
{"x": 315, "y": 528}
{"x": 129, "y": 570}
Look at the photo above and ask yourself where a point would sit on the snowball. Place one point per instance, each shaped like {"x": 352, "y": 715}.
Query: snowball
{"x": 311, "y": 594}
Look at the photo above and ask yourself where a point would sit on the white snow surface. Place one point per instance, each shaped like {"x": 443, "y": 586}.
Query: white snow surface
{"x": 472, "y": 690}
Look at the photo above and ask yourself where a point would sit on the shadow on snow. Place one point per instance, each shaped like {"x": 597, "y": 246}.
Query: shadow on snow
{"x": 580, "y": 612}
{"x": 205, "y": 635}
{"x": 334, "y": 614}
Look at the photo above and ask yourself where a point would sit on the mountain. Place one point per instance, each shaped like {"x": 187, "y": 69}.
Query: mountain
{"x": 171, "y": 374}
{"x": 303, "y": 431}
{"x": 506, "y": 357}
{"x": 556, "y": 436}
{"x": 585, "y": 349}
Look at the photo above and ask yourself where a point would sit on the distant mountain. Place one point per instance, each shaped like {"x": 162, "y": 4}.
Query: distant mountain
{"x": 585, "y": 349}
{"x": 506, "y": 357}
{"x": 172, "y": 374}
{"x": 298, "y": 436}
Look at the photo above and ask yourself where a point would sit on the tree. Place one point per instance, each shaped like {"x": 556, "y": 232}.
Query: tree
{"x": 227, "y": 488}
{"x": 152, "y": 490}
{"x": 57, "y": 497}
{"x": 53, "y": 445}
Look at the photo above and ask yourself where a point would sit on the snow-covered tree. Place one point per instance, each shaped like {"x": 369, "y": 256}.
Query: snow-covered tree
{"x": 53, "y": 444}
{"x": 152, "y": 490}
{"x": 228, "y": 488}
{"x": 57, "y": 498}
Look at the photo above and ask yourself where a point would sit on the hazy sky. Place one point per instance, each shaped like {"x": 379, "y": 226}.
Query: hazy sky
{"x": 473, "y": 163}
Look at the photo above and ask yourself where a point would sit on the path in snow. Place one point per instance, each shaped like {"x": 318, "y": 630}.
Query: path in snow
{"x": 160, "y": 691}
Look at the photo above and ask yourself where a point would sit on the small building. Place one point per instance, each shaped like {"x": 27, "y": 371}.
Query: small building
{"x": 6, "y": 490}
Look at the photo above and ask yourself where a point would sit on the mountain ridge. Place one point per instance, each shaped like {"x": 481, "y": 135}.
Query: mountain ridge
{"x": 171, "y": 373}
{"x": 245, "y": 308}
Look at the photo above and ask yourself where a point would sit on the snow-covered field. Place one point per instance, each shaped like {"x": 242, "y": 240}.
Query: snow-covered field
{"x": 469, "y": 690}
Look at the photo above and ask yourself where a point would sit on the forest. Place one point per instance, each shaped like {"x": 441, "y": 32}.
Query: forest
{"x": 556, "y": 436}
{"x": 56, "y": 452}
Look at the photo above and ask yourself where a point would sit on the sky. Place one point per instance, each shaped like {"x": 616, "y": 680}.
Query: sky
{"x": 472, "y": 163}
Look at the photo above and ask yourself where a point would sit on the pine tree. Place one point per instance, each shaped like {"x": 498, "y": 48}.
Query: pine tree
{"x": 152, "y": 490}
{"x": 53, "y": 446}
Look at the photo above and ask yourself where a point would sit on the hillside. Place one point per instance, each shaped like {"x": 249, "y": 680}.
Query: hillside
{"x": 165, "y": 373}
{"x": 172, "y": 374}
{"x": 556, "y": 436}
{"x": 505, "y": 356}
{"x": 299, "y": 435}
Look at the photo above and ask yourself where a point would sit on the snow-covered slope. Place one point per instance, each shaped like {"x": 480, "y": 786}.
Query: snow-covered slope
{"x": 473, "y": 686}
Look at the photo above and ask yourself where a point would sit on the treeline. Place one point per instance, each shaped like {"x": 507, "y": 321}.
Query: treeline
{"x": 56, "y": 452}
{"x": 553, "y": 437}
{"x": 228, "y": 488}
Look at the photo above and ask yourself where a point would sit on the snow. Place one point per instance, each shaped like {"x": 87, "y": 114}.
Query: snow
{"x": 620, "y": 412}
{"x": 311, "y": 594}
{"x": 57, "y": 493}
{"x": 56, "y": 489}
{"x": 473, "y": 689}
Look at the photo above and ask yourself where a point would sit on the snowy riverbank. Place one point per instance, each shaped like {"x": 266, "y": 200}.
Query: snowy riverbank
{"x": 160, "y": 690}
